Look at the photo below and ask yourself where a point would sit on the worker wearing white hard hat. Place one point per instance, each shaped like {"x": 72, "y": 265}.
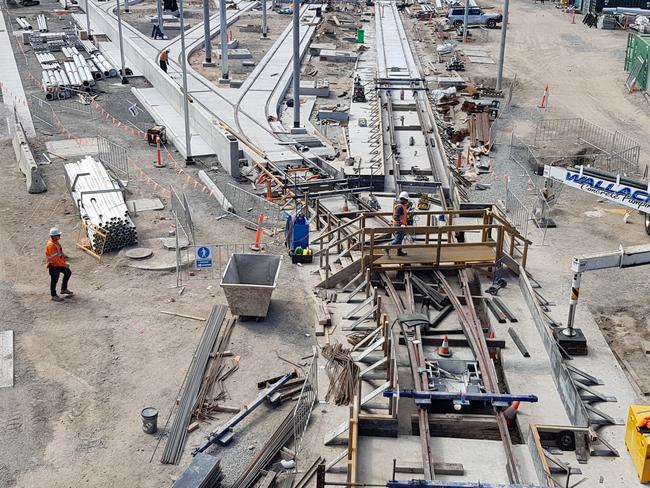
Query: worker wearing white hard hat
{"x": 57, "y": 265}
{"x": 399, "y": 219}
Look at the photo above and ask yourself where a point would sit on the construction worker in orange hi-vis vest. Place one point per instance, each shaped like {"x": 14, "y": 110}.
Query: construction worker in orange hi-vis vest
{"x": 399, "y": 219}
{"x": 57, "y": 265}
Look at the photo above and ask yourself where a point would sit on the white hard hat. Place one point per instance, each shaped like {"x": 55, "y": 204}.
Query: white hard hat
{"x": 54, "y": 231}
{"x": 404, "y": 195}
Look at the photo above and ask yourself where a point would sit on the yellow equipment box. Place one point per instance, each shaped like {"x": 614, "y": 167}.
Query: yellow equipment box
{"x": 637, "y": 443}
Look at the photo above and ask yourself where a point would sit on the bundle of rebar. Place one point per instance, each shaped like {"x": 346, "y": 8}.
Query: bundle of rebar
{"x": 22, "y": 22}
{"x": 100, "y": 201}
{"x": 212, "y": 388}
{"x": 42, "y": 23}
{"x": 342, "y": 373}
{"x": 193, "y": 380}
{"x": 282, "y": 435}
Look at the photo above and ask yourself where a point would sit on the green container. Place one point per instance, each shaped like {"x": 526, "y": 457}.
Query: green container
{"x": 361, "y": 36}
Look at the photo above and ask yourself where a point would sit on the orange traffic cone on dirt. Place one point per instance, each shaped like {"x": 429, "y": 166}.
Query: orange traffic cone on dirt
{"x": 544, "y": 100}
{"x": 510, "y": 413}
{"x": 258, "y": 235}
{"x": 444, "y": 350}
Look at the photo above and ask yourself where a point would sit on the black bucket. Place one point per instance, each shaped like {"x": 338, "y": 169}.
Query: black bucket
{"x": 149, "y": 420}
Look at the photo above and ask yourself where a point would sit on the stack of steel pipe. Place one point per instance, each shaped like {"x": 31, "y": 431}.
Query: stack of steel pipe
{"x": 47, "y": 60}
{"x": 55, "y": 83}
{"x": 87, "y": 79}
{"x": 22, "y": 22}
{"x": 100, "y": 202}
{"x": 69, "y": 52}
{"x": 99, "y": 59}
{"x": 96, "y": 71}
{"x": 178, "y": 432}
{"x": 42, "y": 23}
{"x": 73, "y": 75}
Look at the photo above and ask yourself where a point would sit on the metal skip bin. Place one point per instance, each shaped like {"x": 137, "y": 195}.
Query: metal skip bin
{"x": 248, "y": 283}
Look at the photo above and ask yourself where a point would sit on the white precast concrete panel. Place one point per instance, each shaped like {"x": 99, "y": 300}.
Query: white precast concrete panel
{"x": 394, "y": 56}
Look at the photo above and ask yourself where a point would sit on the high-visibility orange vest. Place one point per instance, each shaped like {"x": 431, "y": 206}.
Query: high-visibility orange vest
{"x": 402, "y": 218}
{"x": 54, "y": 254}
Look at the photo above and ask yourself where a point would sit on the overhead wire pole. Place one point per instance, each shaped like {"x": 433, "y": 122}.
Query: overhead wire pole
{"x": 88, "y": 19}
{"x": 502, "y": 44}
{"x": 465, "y": 20}
{"x": 224, "y": 40}
{"x": 296, "y": 63}
{"x": 264, "y": 29}
{"x": 207, "y": 41}
{"x": 186, "y": 105}
{"x": 119, "y": 34}
{"x": 159, "y": 9}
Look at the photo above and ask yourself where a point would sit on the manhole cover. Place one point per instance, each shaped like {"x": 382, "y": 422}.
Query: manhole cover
{"x": 139, "y": 253}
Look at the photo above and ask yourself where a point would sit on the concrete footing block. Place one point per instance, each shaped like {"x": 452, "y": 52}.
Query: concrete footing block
{"x": 27, "y": 163}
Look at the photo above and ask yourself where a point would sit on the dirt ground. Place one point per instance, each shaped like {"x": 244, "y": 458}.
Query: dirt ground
{"x": 85, "y": 368}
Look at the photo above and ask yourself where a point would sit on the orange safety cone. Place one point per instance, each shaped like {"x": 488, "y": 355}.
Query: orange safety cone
{"x": 531, "y": 186}
{"x": 543, "y": 103}
{"x": 510, "y": 413}
{"x": 258, "y": 235}
{"x": 444, "y": 351}
{"x": 159, "y": 162}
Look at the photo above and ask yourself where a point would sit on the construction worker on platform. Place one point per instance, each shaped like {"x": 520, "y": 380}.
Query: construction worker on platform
{"x": 399, "y": 219}
{"x": 57, "y": 265}
{"x": 164, "y": 59}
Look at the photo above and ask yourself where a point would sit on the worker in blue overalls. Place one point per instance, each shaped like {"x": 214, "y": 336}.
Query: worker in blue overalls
{"x": 399, "y": 219}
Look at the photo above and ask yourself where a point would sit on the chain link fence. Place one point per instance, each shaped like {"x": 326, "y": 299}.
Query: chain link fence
{"x": 114, "y": 156}
{"x": 306, "y": 401}
{"x": 182, "y": 213}
{"x": 186, "y": 270}
{"x": 248, "y": 207}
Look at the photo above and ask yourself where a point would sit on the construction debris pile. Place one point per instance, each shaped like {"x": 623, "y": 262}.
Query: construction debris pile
{"x": 100, "y": 201}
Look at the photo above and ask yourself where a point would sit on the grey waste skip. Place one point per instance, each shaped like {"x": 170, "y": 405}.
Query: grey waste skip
{"x": 248, "y": 283}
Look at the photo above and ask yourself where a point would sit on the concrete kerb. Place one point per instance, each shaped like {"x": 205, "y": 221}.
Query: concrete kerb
{"x": 564, "y": 382}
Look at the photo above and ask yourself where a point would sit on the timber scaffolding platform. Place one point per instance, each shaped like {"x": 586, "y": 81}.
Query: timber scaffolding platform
{"x": 395, "y": 314}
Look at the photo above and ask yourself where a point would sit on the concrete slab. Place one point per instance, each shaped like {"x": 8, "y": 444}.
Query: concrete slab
{"x": 139, "y": 253}
{"x": 144, "y": 205}
{"x": 69, "y": 148}
{"x": 482, "y": 460}
{"x": 13, "y": 93}
{"x": 6, "y": 358}
{"x": 163, "y": 113}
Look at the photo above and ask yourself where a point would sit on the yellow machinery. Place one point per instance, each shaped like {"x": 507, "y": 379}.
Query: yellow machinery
{"x": 637, "y": 442}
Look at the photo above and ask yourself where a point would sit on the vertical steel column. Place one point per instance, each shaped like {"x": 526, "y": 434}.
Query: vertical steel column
{"x": 573, "y": 304}
{"x": 207, "y": 41}
{"x": 88, "y": 19}
{"x": 296, "y": 63}
{"x": 224, "y": 40}
{"x": 264, "y": 29}
{"x": 119, "y": 34}
{"x": 186, "y": 105}
{"x": 159, "y": 10}
{"x": 465, "y": 20}
{"x": 126, "y": 6}
{"x": 502, "y": 44}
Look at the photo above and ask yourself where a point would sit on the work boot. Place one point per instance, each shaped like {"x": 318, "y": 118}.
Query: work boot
{"x": 66, "y": 292}
{"x": 56, "y": 298}
{"x": 401, "y": 253}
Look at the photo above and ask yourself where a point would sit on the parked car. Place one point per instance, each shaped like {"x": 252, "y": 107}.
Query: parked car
{"x": 285, "y": 11}
{"x": 476, "y": 16}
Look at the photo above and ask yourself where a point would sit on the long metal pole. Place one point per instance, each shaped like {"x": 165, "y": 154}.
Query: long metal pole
{"x": 224, "y": 40}
{"x": 186, "y": 105}
{"x": 502, "y": 45}
{"x": 119, "y": 34}
{"x": 296, "y": 63}
{"x": 88, "y": 20}
{"x": 465, "y": 20}
{"x": 207, "y": 41}
{"x": 264, "y": 29}
{"x": 159, "y": 9}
